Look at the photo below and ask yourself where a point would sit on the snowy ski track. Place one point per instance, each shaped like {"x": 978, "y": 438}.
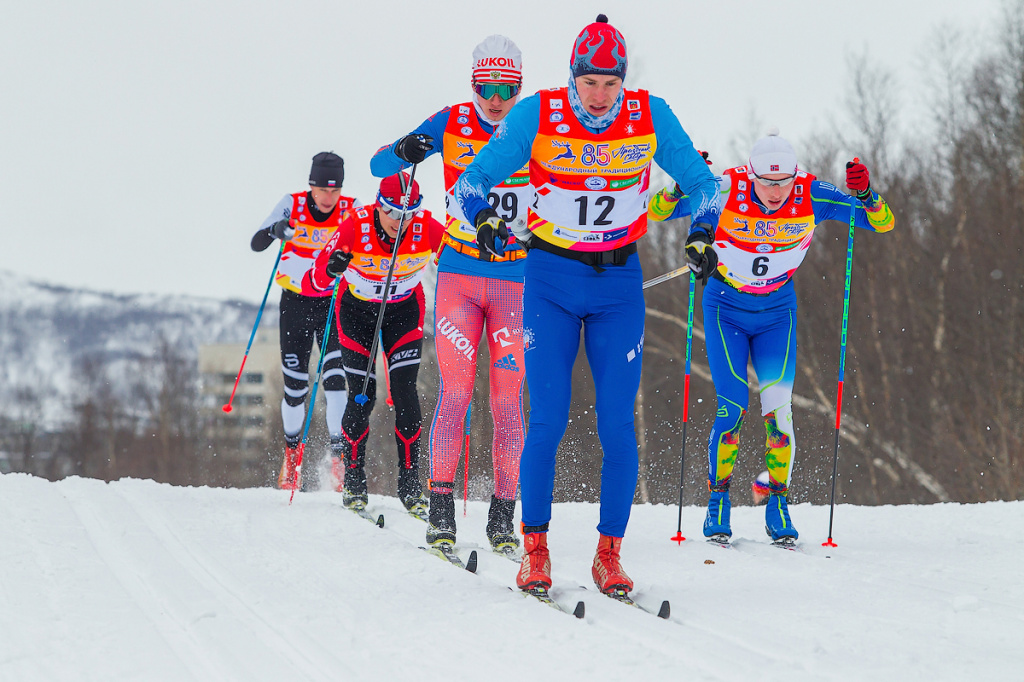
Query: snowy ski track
{"x": 135, "y": 580}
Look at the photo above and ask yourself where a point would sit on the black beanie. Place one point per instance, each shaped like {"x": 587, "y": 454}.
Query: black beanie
{"x": 328, "y": 170}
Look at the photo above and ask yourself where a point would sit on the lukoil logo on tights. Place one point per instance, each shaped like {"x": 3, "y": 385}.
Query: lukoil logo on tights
{"x": 449, "y": 331}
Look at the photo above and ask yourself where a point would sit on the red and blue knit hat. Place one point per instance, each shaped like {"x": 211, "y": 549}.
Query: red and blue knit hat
{"x": 393, "y": 189}
{"x": 599, "y": 49}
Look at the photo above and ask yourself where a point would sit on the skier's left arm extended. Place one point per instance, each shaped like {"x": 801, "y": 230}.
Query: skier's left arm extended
{"x": 677, "y": 156}
{"x": 506, "y": 152}
{"x": 870, "y": 210}
{"x": 386, "y": 162}
{"x": 265, "y": 235}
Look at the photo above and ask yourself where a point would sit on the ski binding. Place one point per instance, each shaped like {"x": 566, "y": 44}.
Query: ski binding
{"x": 622, "y": 596}
{"x": 447, "y": 552}
{"x": 542, "y": 595}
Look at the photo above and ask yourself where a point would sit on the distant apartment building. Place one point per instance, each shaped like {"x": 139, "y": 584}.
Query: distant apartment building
{"x": 257, "y": 397}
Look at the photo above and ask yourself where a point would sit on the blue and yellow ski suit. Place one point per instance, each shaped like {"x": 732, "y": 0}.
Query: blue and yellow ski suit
{"x": 750, "y": 305}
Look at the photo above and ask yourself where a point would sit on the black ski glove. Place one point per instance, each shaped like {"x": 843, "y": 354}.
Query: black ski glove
{"x": 282, "y": 230}
{"x": 491, "y": 234}
{"x": 261, "y": 240}
{"x": 702, "y": 258}
{"x": 414, "y": 148}
{"x": 337, "y": 263}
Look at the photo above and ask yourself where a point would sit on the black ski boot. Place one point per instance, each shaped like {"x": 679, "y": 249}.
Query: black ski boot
{"x": 500, "y": 531}
{"x": 411, "y": 494}
{"x": 441, "y": 522}
{"x": 353, "y": 494}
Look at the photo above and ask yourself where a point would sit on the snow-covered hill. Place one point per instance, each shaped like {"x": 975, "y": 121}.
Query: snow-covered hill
{"x": 45, "y": 331}
{"x": 134, "y": 580}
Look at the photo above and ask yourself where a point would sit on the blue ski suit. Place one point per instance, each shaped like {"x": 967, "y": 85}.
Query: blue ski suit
{"x": 564, "y": 295}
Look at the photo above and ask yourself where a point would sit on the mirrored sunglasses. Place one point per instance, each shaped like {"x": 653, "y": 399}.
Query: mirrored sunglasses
{"x": 765, "y": 182}
{"x": 396, "y": 212}
{"x": 506, "y": 91}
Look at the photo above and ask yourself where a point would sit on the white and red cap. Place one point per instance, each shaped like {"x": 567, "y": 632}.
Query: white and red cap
{"x": 497, "y": 60}
{"x": 393, "y": 189}
{"x": 772, "y": 154}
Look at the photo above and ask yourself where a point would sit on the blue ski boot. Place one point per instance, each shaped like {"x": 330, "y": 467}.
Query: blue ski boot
{"x": 776, "y": 519}
{"x": 716, "y": 523}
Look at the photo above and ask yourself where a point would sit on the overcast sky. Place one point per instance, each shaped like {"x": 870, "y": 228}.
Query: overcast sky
{"x": 142, "y": 143}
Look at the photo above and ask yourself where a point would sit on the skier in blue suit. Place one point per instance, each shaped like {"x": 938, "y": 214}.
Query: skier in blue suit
{"x": 589, "y": 146}
{"x": 770, "y": 209}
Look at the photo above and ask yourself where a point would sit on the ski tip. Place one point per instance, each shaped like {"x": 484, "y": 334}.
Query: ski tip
{"x": 380, "y": 521}
{"x": 665, "y": 611}
{"x": 471, "y": 563}
{"x": 580, "y": 610}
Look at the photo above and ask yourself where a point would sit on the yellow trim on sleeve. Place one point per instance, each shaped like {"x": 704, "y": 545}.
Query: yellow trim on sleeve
{"x": 662, "y": 204}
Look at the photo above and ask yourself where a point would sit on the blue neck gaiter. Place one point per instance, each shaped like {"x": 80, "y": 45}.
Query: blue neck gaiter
{"x": 596, "y": 123}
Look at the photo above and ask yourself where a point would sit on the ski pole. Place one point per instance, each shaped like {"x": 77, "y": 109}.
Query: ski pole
{"x": 666, "y": 277}
{"x": 273, "y": 272}
{"x": 842, "y": 369}
{"x": 686, "y": 407}
{"x": 465, "y": 459}
{"x": 362, "y": 399}
{"x": 316, "y": 382}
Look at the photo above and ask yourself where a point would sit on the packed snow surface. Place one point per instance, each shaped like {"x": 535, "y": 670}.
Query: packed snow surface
{"x": 134, "y": 580}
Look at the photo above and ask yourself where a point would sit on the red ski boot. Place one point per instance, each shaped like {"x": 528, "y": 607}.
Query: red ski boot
{"x": 608, "y": 574}
{"x": 289, "y": 478}
{"x": 535, "y": 571}
{"x": 337, "y": 474}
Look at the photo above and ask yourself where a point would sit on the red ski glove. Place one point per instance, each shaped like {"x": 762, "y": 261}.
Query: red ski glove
{"x": 857, "y": 179}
